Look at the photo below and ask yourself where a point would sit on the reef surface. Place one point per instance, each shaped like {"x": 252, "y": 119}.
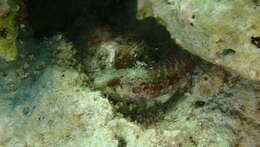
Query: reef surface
{"x": 87, "y": 80}
{"x": 225, "y": 33}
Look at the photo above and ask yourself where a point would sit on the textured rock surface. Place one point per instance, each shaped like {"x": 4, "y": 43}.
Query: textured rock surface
{"x": 58, "y": 95}
{"x": 8, "y": 30}
{"x": 225, "y": 32}
{"x": 42, "y": 104}
{"x": 62, "y": 112}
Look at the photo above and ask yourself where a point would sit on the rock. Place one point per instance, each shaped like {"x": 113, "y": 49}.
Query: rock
{"x": 8, "y": 29}
{"x": 46, "y": 100}
{"x": 225, "y": 33}
{"x": 63, "y": 112}
{"x": 58, "y": 106}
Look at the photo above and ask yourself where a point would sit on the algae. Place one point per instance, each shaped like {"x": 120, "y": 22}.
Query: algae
{"x": 8, "y": 30}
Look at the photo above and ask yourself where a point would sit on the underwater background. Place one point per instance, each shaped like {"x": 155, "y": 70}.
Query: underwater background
{"x": 129, "y": 73}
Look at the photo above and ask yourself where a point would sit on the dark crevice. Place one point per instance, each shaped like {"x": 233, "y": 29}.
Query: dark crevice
{"x": 199, "y": 103}
{"x": 121, "y": 142}
{"x": 228, "y": 52}
{"x": 48, "y": 17}
{"x": 78, "y": 18}
{"x": 257, "y": 2}
{"x": 256, "y": 41}
{"x": 3, "y": 33}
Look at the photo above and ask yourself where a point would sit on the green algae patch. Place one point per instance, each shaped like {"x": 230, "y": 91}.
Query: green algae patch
{"x": 8, "y": 30}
